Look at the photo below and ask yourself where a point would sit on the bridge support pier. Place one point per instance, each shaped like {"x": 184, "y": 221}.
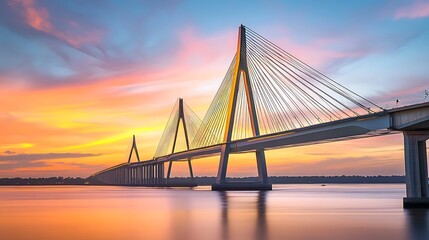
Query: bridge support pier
{"x": 223, "y": 185}
{"x": 416, "y": 169}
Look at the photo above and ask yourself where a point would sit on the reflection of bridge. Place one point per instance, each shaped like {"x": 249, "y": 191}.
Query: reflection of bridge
{"x": 270, "y": 99}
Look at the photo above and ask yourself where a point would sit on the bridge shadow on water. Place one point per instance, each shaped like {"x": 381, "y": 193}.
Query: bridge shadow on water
{"x": 227, "y": 199}
{"x": 417, "y": 223}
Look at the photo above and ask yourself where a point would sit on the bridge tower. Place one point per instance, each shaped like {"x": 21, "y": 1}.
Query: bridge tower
{"x": 185, "y": 129}
{"x": 134, "y": 147}
{"x": 241, "y": 71}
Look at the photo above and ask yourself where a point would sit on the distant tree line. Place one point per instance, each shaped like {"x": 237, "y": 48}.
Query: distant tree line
{"x": 302, "y": 179}
{"x": 44, "y": 181}
{"x": 211, "y": 180}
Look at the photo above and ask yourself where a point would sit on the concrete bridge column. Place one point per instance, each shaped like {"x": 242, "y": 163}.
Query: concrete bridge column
{"x": 112, "y": 176}
{"x": 139, "y": 175}
{"x": 119, "y": 176}
{"x": 416, "y": 169}
{"x": 161, "y": 173}
{"x": 144, "y": 175}
{"x": 130, "y": 176}
{"x": 127, "y": 176}
{"x": 123, "y": 175}
{"x": 147, "y": 174}
{"x": 155, "y": 173}
{"x": 142, "y": 172}
{"x": 150, "y": 174}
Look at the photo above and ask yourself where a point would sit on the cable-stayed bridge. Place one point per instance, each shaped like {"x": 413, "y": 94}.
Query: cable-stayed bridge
{"x": 270, "y": 99}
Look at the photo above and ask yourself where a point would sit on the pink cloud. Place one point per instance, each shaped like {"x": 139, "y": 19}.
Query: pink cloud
{"x": 38, "y": 18}
{"x": 199, "y": 50}
{"x": 417, "y": 10}
{"x": 410, "y": 92}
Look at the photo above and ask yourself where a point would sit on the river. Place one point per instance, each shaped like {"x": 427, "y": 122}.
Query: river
{"x": 294, "y": 211}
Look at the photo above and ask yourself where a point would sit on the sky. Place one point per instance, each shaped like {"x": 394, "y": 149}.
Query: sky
{"x": 79, "y": 78}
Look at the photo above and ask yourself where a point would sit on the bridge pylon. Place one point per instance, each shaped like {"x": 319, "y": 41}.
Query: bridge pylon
{"x": 241, "y": 71}
{"x": 185, "y": 129}
{"x": 134, "y": 147}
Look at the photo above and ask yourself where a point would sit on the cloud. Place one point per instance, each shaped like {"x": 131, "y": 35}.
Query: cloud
{"x": 408, "y": 93}
{"x": 39, "y": 19}
{"x": 44, "y": 156}
{"x": 56, "y": 43}
{"x": 35, "y": 160}
{"x": 9, "y": 152}
{"x": 417, "y": 10}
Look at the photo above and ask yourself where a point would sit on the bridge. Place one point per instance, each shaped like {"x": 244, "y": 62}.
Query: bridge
{"x": 270, "y": 99}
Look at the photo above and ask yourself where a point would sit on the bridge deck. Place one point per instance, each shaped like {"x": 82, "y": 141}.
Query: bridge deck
{"x": 390, "y": 121}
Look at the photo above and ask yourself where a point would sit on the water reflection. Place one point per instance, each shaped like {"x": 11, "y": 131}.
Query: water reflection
{"x": 418, "y": 223}
{"x": 259, "y": 207}
{"x": 352, "y": 212}
{"x": 181, "y": 215}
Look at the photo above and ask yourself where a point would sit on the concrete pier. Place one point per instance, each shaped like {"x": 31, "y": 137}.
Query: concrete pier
{"x": 416, "y": 169}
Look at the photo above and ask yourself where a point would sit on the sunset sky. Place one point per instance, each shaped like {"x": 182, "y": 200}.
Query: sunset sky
{"x": 79, "y": 78}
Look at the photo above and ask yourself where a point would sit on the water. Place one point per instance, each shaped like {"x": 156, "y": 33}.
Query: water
{"x": 347, "y": 211}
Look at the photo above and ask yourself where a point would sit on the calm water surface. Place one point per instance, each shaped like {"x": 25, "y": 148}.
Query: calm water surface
{"x": 348, "y": 211}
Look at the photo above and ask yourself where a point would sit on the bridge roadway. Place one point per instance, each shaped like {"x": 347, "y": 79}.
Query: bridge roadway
{"x": 408, "y": 118}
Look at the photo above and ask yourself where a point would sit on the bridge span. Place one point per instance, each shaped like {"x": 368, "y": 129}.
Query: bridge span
{"x": 269, "y": 99}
